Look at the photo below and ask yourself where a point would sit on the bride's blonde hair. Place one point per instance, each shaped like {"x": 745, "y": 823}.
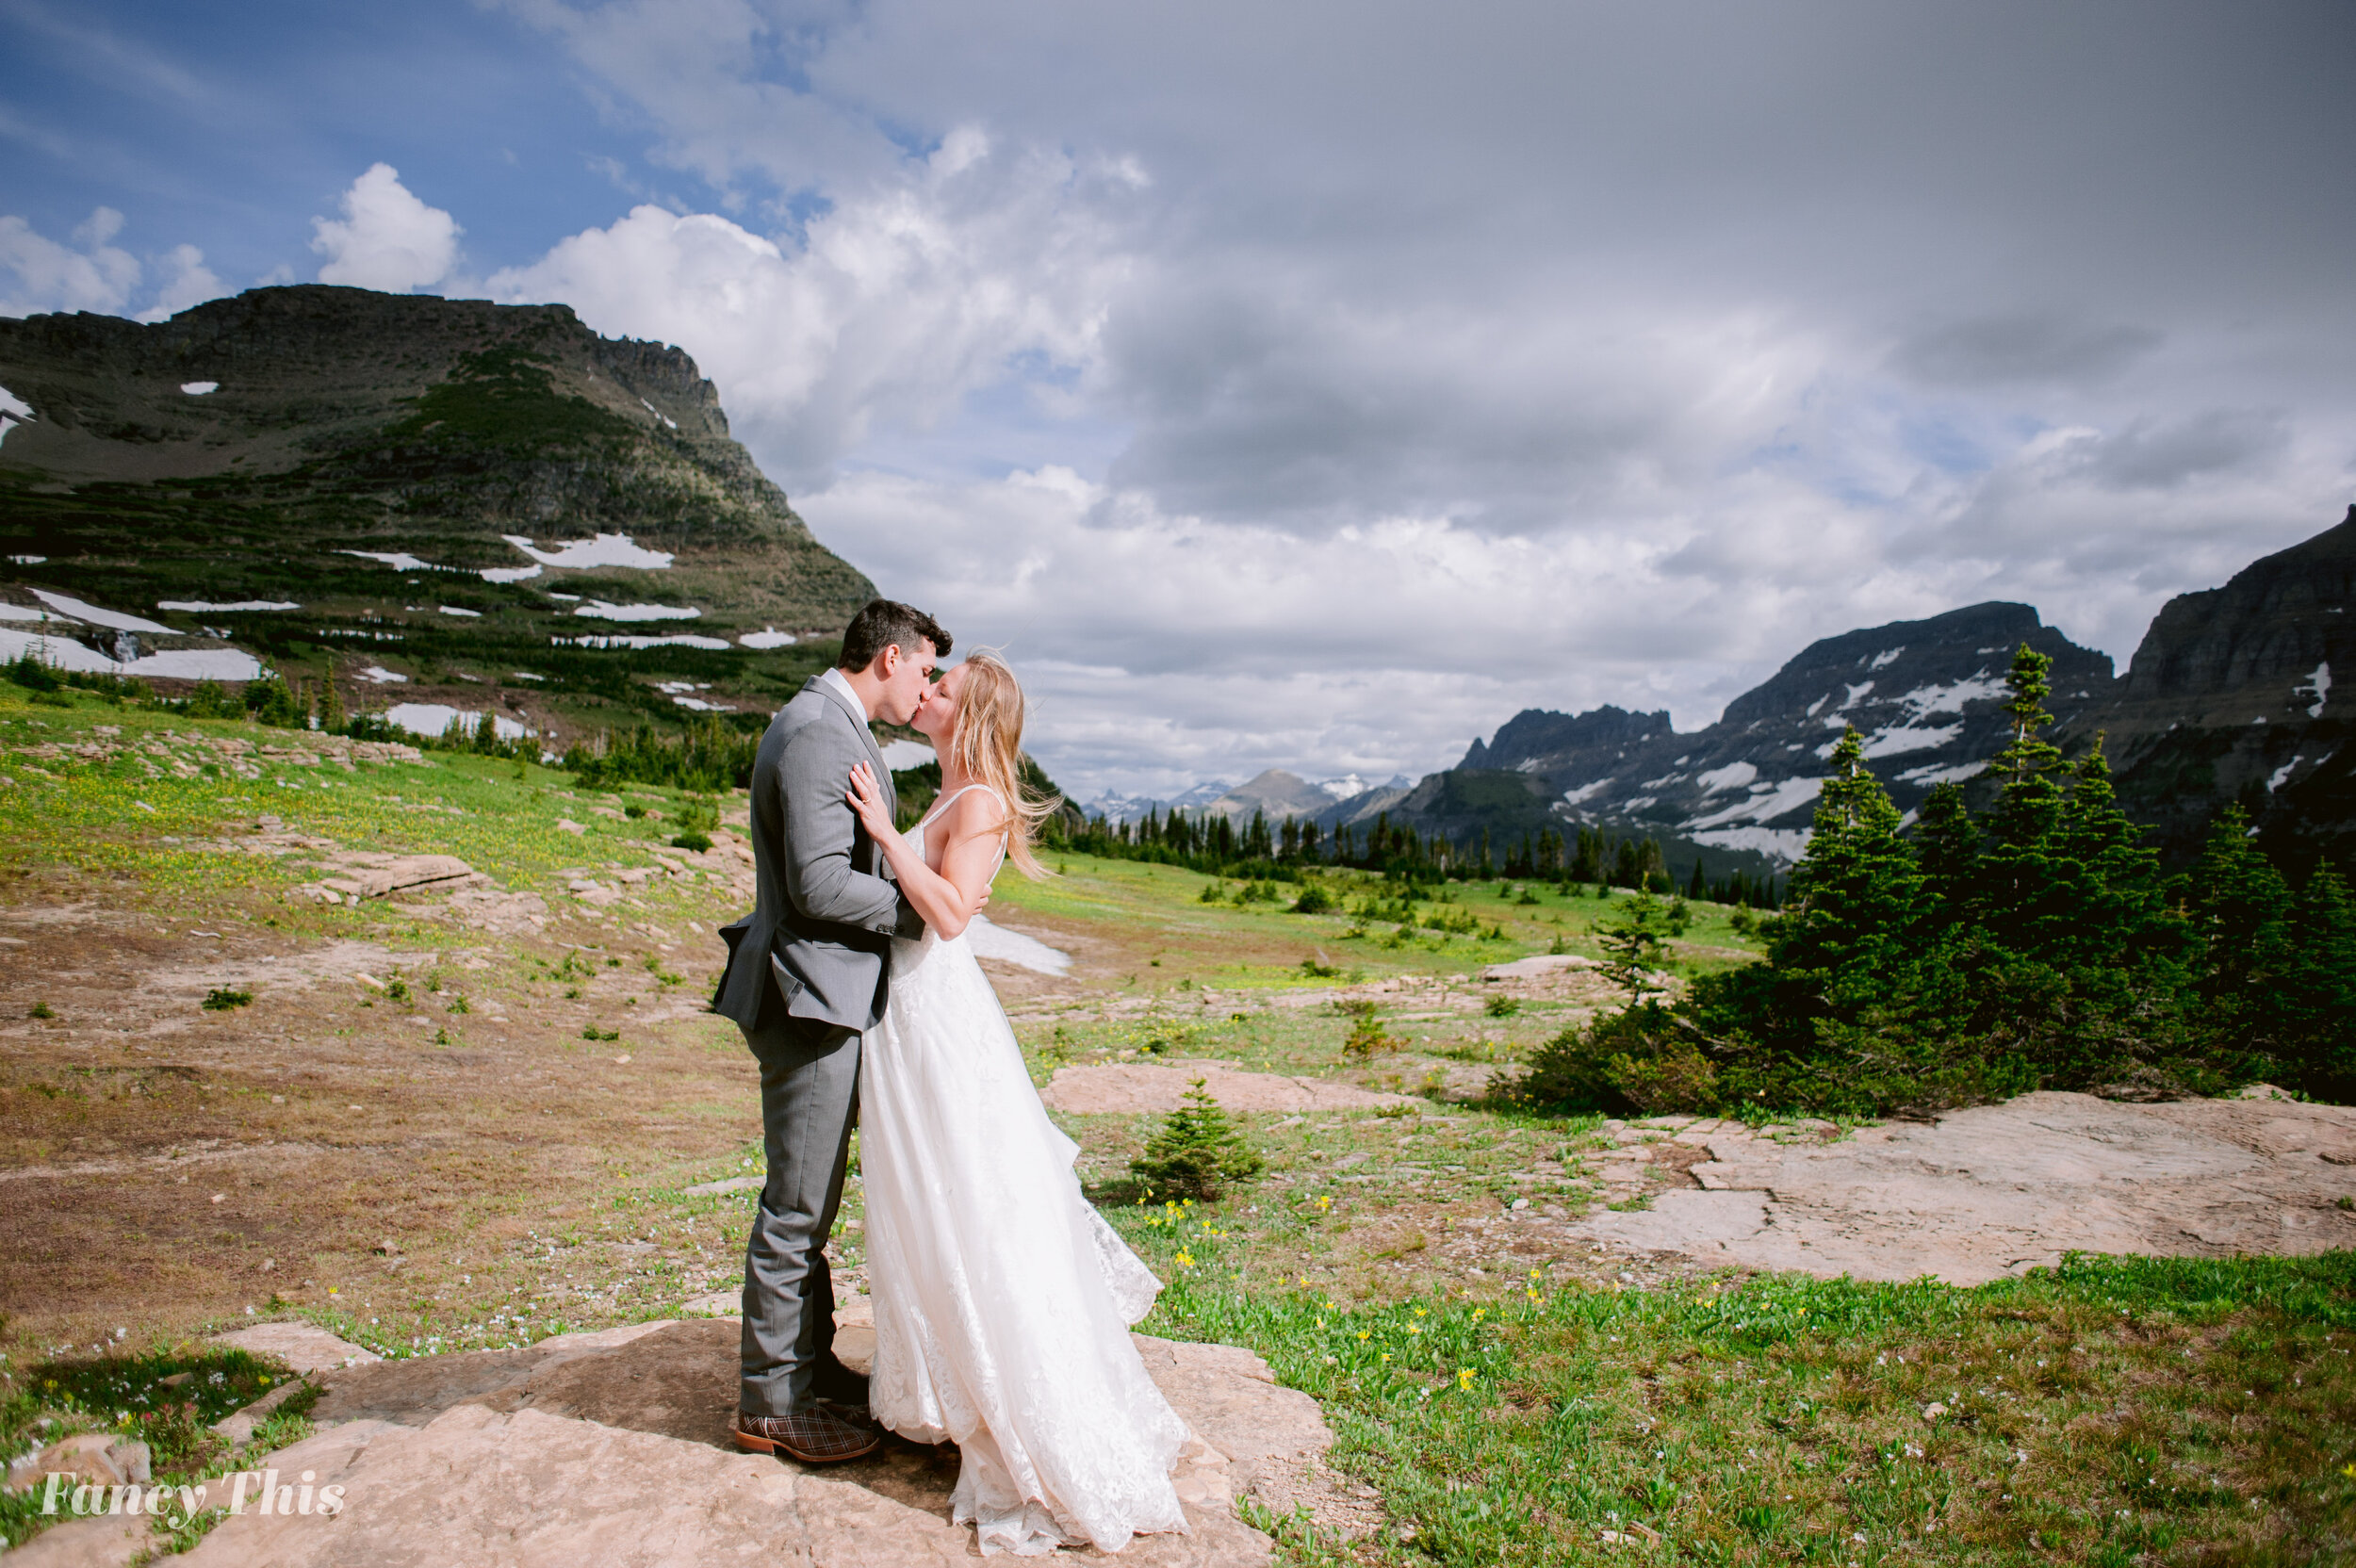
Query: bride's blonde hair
{"x": 987, "y": 747}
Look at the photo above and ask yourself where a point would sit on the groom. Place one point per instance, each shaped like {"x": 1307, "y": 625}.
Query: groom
{"x": 808, "y": 974}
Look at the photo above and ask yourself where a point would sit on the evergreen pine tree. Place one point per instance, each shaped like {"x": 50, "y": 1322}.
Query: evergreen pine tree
{"x": 1635, "y": 946}
{"x": 2320, "y": 991}
{"x": 2018, "y": 899}
{"x": 2118, "y": 896}
{"x": 1195, "y": 1152}
{"x": 1947, "y": 847}
{"x": 2240, "y": 908}
{"x": 1857, "y": 894}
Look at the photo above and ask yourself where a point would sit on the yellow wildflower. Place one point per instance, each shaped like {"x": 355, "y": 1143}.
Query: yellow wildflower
{"x": 1186, "y": 1259}
{"x": 1464, "y": 1376}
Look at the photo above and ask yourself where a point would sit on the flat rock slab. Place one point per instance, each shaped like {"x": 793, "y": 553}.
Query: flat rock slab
{"x": 1134, "y": 1087}
{"x": 299, "y": 1345}
{"x": 614, "y": 1448}
{"x": 1538, "y": 967}
{"x": 108, "y": 1542}
{"x": 1999, "y": 1189}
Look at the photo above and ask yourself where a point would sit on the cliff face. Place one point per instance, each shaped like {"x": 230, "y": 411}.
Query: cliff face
{"x": 2229, "y": 697}
{"x": 1922, "y": 693}
{"x": 371, "y": 459}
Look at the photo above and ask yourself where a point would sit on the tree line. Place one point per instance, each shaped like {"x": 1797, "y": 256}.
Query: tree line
{"x": 1976, "y": 953}
{"x": 1220, "y": 845}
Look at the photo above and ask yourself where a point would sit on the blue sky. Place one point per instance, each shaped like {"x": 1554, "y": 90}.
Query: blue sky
{"x": 231, "y": 126}
{"x": 1318, "y": 386}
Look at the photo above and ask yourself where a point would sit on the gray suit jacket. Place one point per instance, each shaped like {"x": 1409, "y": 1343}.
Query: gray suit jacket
{"x": 826, "y": 906}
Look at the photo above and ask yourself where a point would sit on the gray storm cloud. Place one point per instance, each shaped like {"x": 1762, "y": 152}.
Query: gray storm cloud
{"x": 1316, "y": 385}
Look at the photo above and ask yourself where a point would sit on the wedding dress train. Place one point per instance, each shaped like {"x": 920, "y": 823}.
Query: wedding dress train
{"x": 1002, "y": 1299}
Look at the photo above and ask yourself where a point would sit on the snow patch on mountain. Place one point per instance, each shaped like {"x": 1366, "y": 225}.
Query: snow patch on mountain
{"x": 1765, "y": 803}
{"x": 199, "y": 607}
{"x": 606, "y": 550}
{"x": 115, "y": 620}
{"x": 604, "y": 612}
{"x": 1734, "y": 776}
{"x": 432, "y": 718}
{"x": 64, "y": 653}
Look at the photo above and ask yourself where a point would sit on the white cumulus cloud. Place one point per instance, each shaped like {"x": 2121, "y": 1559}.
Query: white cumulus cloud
{"x": 192, "y": 283}
{"x": 39, "y": 275}
{"x": 388, "y": 238}
{"x": 881, "y": 316}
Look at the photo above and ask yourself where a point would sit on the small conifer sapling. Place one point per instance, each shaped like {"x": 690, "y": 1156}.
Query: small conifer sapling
{"x": 1195, "y": 1153}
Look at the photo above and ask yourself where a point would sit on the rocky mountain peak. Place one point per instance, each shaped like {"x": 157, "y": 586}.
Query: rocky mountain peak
{"x": 1538, "y": 732}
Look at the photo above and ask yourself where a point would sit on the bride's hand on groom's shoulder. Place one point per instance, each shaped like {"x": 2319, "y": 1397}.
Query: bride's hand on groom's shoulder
{"x": 867, "y": 801}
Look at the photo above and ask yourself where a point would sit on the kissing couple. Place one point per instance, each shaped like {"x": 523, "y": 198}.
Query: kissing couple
{"x": 1003, "y": 1300}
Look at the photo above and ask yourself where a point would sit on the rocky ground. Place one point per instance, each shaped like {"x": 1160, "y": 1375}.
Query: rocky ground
{"x": 613, "y": 1448}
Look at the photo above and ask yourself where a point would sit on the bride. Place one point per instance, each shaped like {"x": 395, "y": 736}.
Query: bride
{"x": 1001, "y": 1299}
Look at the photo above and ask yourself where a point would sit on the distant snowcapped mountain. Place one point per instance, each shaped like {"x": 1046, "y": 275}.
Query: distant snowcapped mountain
{"x": 1115, "y": 806}
{"x": 1276, "y": 792}
{"x": 1923, "y": 694}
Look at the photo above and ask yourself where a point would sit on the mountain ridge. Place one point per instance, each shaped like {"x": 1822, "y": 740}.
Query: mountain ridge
{"x": 456, "y": 488}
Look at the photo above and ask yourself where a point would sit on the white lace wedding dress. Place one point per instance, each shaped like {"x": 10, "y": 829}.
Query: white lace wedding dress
{"x": 1003, "y": 1300}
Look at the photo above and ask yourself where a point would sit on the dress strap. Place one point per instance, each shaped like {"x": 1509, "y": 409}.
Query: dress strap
{"x": 940, "y": 806}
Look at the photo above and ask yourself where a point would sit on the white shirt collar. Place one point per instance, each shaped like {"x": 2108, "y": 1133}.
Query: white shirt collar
{"x": 842, "y": 683}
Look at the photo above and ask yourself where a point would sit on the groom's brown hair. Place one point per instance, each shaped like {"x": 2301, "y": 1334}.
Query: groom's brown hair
{"x": 881, "y": 624}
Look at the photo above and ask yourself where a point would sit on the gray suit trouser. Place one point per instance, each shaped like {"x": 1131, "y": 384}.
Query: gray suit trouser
{"x": 809, "y": 1099}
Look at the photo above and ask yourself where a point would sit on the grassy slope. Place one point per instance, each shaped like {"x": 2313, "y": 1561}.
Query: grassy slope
{"x": 2181, "y": 1412}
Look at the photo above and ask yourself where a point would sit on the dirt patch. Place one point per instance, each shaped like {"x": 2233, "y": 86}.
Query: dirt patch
{"x": 1140, "y": 1088}
{"x": 1998, "y": 1189}
{"x": 235, "y": 1154}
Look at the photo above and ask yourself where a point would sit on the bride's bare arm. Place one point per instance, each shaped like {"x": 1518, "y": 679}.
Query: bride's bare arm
{"x": 950, "y": 897}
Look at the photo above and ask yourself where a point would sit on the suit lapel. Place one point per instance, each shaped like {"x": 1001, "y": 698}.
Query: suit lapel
{"x": 850, "y": 710}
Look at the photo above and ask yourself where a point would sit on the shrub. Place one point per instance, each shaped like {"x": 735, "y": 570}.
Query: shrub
{"x": 1195, "y": 1153}
{"x": 696, "y": 820}
{"x": 1645, "y": 1059}
{"x": 1314, "y": 900}
{"x": 1501, "y": 1007}
{"x": 1366, "y": 1038}
{"x": 271, "y": 702}
{"x": 220, "y": 999}
{"x": 31, "y": 674}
